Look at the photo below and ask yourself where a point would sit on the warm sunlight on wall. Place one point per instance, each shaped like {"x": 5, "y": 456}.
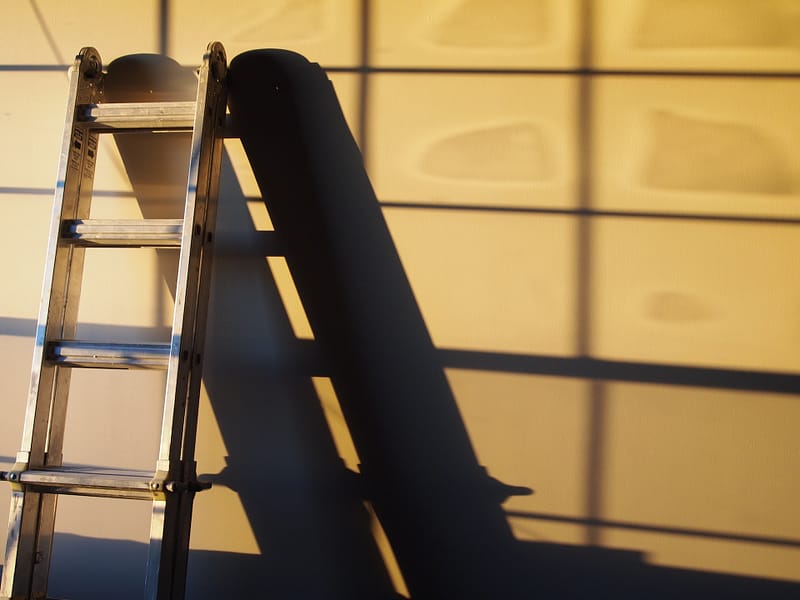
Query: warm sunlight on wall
{"x": 567, "y": 182}
{"x": 726, "y": 470}
{"x": 220, "y": 500}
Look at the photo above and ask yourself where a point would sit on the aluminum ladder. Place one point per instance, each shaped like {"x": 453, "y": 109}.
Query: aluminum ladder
{"x": 39, "y": 476}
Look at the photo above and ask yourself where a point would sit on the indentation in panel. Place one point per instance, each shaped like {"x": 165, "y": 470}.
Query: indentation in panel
{"x": 473, "y": 140}
{"x": 294, "y": 19}
{"x": 479, "y": 24}
{"x": 475, "y": 33}
{"x": 324, "y": 31}
{"x": 696, "y": 293}
{"x": 717, "y": 24}
{"x": 512, "y": 152}
{"x": 688, "y": 153}
{"x": 676, "y": 307}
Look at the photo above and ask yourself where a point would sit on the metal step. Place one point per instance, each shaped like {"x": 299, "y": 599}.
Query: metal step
{"x": 138, "y": 116}
{"x": 101, "y": 355}
{"x": 121, "y": 233}
{"x": 88, "y": 481}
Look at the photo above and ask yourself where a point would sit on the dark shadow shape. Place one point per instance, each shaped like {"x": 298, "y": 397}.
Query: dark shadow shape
{"x": 96, "y": 569}
{"x": 307, "y": 517}
{"x": 591, "y": 212}
{"x": 17, "y": 326}
{"x": 618, "y": 370}
{"x": 438, "y": 506}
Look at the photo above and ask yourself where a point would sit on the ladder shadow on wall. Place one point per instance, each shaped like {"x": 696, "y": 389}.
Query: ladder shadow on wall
{"x": 301, "y": 507}
{"x": 440, "y": 509}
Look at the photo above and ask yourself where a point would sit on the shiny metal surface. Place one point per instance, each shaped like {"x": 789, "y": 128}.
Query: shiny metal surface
{"x": 120, "y": 233}
{"x": 142, "y": 116}
{"x": 99, "y": 355}
{"x": 38, "y": 477}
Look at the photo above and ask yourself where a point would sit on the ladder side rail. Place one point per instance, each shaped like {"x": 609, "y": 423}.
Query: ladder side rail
{"x": 71, "y": 198}
{"x": 179, "y": 363}
{"x": 32, "y": 514}
{"x": 208, "y": 188}
{"x": 64, "y": 327}
{"x": 181, "y": 527}
{"x": 167, "y": 551}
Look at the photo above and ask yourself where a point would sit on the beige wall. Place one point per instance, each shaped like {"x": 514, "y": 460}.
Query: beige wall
{"x": 484, "y": 146}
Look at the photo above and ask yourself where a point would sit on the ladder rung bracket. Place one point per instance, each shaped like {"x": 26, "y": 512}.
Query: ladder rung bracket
{"x": 143, "y": 116}
{"x": 120, "y": 233}
{"x": 99, "y": 355}
{"x": 90, "y": 481}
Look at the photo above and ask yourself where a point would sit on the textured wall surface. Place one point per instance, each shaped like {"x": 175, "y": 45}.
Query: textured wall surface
{"x": 597, "y": 207}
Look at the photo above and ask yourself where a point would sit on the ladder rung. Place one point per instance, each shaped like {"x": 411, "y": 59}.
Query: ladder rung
{"x": 38, "y": 477}
{"x": 159, "y": 233}
{"x": 100, "y": 355}
{"x": 147, "y": 116}
{"x": 89, "y": 481}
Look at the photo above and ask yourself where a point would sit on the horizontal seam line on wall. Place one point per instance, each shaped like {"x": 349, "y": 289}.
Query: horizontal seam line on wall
{"x": 575, "y": 212}
{"x": 719, "y": 535}
{"x": 560, "y": 366}
{"x": 566, "y": 71}
{"x": 579, "y": 212}
{"x": 501, "y": 71}
{"x": 622, "y": 371}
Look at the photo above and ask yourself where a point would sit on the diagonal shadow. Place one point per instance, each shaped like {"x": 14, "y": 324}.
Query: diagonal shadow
{"x": 302, "y": 507}
{"x": 438, "y": 506}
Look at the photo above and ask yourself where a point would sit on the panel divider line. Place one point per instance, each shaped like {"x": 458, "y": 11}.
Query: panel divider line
{"x": 364, "y": 82}
{"x": 596, "y": 418}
